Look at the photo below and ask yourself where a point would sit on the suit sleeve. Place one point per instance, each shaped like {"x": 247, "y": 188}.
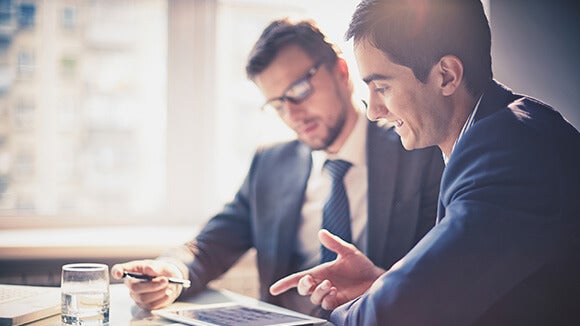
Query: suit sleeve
{"x": 505, "y": 220}
{"x": 221, "y": 242}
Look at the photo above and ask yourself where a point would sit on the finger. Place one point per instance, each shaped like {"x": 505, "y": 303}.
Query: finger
{"x": 330, "y": 301}
{"x": 306, "y": 285}
{"x": 141, "y": 287}
{"x": 117, "y": 271}
{"x": 156, "y": 268}
{"x": 335, "y": 243}
{"x": 171, "y": 293}
{"x": 286, "y": 283}
{"x": 152, "y": 299}
{"x": 138, "y": 266}
{"x": 320, "y": 292}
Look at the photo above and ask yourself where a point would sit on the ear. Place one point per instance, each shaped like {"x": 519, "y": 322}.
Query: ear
{"x": 450, "y": 69}
{"x": 341, "y": 69}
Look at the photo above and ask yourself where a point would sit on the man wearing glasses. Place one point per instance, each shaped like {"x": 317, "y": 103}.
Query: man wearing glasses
{"x": 387, "y": 196}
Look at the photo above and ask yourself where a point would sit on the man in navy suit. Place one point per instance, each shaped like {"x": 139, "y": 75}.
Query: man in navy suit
{"x": 392, "y": 193}
{"x": 506, "y": 247}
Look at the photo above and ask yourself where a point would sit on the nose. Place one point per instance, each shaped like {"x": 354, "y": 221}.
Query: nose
{"x": 293, "y": 111}
{"x": 376, "y": 108}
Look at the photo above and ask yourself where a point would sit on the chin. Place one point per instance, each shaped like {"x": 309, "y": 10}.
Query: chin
{"x": 315, "y": 146}
{"x": 407, "y": 146}
{"x": 318, "y": 147}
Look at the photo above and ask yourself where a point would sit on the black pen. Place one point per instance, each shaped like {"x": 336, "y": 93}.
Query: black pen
{"x": 184, "y": 283}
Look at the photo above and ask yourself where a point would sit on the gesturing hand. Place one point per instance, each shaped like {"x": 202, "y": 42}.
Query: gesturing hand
{"x": 333, "y": 283}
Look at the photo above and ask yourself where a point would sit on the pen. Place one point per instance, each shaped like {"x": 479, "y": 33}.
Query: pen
{"x": 184, "y": 283}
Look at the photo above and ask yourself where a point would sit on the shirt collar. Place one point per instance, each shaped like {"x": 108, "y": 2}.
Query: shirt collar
{"x": 466, "y": 126}
{"x": 353, "y": 150}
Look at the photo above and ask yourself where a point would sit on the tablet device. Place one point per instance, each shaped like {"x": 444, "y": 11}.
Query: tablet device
{"x": 234, "y": 313}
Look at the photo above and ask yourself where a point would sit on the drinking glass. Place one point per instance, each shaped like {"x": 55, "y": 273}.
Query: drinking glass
{"x": 85, "y": 294}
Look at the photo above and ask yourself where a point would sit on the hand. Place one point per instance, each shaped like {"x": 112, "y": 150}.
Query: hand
{"x": 333, "y": 283}
{"x": 153, "y": 294}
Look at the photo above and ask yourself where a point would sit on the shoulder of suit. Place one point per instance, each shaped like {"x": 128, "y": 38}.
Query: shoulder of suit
{"x": 529, "y": 115}
{"x": 283, "y": 148}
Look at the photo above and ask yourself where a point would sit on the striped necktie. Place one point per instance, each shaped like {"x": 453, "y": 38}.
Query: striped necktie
{"x": 336, "y": 211}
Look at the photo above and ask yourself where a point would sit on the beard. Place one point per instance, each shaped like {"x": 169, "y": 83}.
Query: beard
{"x": 334, "y": 128}
{"x": 332, "y": 131}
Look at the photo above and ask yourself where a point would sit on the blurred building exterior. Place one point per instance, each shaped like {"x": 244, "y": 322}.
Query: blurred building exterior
{"x": 81, "y": 83}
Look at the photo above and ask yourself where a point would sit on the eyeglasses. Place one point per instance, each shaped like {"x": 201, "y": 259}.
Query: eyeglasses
{"x": 296, "y": 93}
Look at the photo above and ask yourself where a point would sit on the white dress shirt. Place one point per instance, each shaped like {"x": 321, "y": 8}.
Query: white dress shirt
{"x": 466, "y": 126}
{"x": 318, "y": 189}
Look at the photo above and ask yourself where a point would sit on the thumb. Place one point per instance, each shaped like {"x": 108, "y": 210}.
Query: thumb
{"x": 335, "y": 243}
{"x": 117, "y": 271}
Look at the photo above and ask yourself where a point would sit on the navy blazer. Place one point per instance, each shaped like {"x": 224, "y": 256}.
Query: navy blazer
{"x": 506, "y": 249}
{"x": 403, "y": 188}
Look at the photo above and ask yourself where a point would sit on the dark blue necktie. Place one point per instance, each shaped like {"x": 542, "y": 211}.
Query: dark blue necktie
{"x": 336, "y": 212}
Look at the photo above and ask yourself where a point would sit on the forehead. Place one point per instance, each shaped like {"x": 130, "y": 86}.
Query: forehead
{"x": 373, "y": 64}
{"x": 291, "y": 55}
{"x": 290, "y": 64}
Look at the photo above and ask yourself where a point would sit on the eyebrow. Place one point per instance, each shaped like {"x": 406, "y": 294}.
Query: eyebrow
{"x": 374, "y": 77}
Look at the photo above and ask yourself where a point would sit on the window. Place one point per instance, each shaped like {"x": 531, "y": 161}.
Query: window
{"x": 24, "y": 115}
{"x": 26, "y": 63}
{"x": 145, "y": 116}
{"x": 24, "y": 166}
{"x": 4, "y": 167}
{"x": 87, "y": 133}
{"x": 26, "y": 15}
{"x": 68, "y": 19}
{"x": 5, "y": 16}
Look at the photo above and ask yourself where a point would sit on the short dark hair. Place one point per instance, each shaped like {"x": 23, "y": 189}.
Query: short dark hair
{"x": 417, "y": 33}
{"x": 283, "y": 32}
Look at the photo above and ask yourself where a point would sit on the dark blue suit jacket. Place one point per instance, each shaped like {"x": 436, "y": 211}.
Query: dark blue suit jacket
{"x": 403, "y": 188}
{"x": 506, "y": 248}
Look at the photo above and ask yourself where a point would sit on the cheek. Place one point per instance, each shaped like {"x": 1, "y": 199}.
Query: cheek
{"x": 324, "y": 104}
{"x": 407, "y": 104}
{"x": 287, "y": 122}
{"x": 377, "y": 108}
{"x": 395, "y": 102}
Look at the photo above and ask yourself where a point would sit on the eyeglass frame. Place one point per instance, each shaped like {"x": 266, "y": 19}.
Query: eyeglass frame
{"x": 305, "y": 80}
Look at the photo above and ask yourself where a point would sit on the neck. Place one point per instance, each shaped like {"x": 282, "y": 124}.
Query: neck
{"x": 349, "y": 124}
{"x": 463, "y": 106}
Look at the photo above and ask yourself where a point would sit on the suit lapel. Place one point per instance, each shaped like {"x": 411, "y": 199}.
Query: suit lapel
{"x": 440, "y": 210}
{"x": 495, "y": 97}
{"x": 382, "y": 162}
{"x": 290, "y": 193}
